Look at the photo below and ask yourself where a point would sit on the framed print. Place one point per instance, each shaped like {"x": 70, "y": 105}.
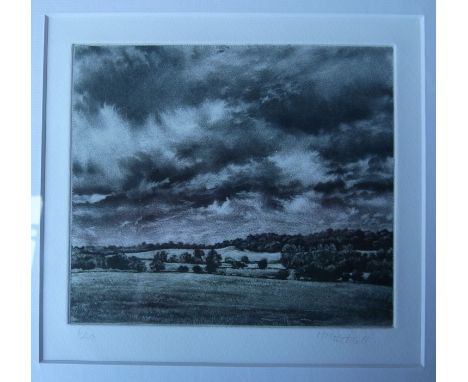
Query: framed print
{"x": 226, "y": 175}
{"x": 234, "y": 195}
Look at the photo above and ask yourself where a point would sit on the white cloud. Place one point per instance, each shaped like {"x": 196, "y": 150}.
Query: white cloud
{"x": 301, "y": 204}
{"x": 300, "y": 164}
{"x": 223, "y": 208}
{"x": 93, "y": 198}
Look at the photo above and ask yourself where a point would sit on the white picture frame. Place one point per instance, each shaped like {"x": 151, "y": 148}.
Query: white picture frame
{"x": 86, "y": 352}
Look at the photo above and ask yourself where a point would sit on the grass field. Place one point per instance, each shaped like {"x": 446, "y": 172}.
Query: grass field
{"x": 251, "y": 269}
{"x": 186, "y": 298}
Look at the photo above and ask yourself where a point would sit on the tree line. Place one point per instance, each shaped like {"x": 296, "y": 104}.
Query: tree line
{"x": 202, "y": 262}
{"x": 299, "y": 263}
{"x": 330, "y": 239}
{"x": 345, "y": 265}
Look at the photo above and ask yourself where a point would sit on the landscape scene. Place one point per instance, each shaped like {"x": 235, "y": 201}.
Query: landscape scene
{"x": 232, "y": 185}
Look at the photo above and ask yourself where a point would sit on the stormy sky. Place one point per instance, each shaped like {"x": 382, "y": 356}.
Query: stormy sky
{"x": 207, "y": 143}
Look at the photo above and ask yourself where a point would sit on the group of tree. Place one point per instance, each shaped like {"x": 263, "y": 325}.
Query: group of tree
{"x": 211, "y": 261}
{"x": 330, "y": 239}
{"x": 345, "y": 265}
{"x": 244, "y": 262}
{"x": 119, "y": 261}
{"x": 202, "y": 262}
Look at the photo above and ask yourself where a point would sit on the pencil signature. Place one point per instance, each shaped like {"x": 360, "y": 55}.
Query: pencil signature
{"x": 341, "y": 338}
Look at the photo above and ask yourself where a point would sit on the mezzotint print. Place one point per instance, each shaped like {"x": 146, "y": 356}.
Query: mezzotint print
{"x": 232, "y": 185}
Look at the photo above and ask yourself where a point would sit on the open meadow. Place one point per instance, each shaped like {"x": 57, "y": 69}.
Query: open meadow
{"x": 248, "y": 270}
{"x": 208, "y": 299}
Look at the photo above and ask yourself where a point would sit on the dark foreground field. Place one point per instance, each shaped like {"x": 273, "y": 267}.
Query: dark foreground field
{"x": 185, "y": 298}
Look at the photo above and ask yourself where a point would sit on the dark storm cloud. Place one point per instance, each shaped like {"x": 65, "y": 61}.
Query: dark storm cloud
{"x": 330, "y": 187}
{"x": 146, "y": 166}
{"x": 378, "y": 186}
{"x": 81, "y": 51}
{"x": 87, "y": 178}
{"x": 167, "y": 136}
{"x": 264, "y": 178}
{"x": 330, "y": 87}
{"x": 92, "y": 189}
{"x": 353, "y": 145}
{"x": 233, "y": 141}
{"x": 309, "y": 112}
{"x": 136, "y": 81}
{"x": 338, "y": 194}
{"x": 334, "y": 202}
{"x": 90, "y": 168}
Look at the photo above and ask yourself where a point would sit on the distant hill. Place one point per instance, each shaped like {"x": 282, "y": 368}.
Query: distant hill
{"x": 336, "y": 240}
